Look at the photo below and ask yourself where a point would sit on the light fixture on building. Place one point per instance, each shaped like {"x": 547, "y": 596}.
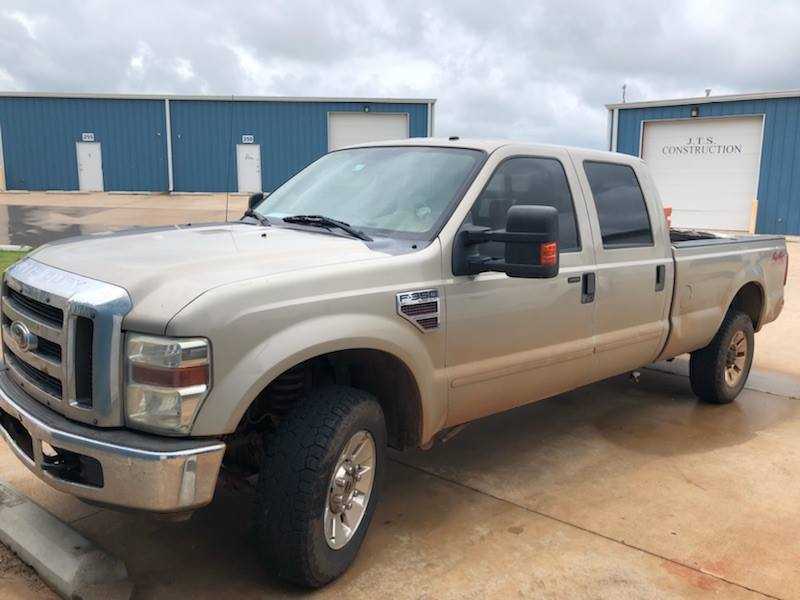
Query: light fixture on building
{"x": 366, "y": 108}
{"x": 694, "y": 111}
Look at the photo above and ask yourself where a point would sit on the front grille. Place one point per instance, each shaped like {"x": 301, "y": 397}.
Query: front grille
{"x": 48, "y": 349}
{"x": 51, "y": 315}
{"x": 42, "y": 380}
{"x": 62, "y": 337}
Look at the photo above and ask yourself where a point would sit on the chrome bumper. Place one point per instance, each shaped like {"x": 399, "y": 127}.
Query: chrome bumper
{"x": 114, "y": 467}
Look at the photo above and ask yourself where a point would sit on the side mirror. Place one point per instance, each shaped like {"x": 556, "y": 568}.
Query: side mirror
{"x": 255, "y": 200}
{"x": 531, "y": 245}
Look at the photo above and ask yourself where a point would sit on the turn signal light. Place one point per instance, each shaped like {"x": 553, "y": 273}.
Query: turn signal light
{"x": 549, "y": 253}
{"x": 173, "y": 378}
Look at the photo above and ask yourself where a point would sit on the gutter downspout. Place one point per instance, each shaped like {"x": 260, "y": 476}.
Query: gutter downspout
{"x": 430, "y": 117}
{"x": 2, "y": 165}
{"x": 168, "y": 129}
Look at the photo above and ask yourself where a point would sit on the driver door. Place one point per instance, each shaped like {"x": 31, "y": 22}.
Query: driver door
{"x": 511, "y": 341}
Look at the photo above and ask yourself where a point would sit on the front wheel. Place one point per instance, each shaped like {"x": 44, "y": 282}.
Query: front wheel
{"x": 319, "y": 484}
{"x": 719, "y": 371}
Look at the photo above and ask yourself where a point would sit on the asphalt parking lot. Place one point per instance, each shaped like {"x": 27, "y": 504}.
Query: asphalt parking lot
{"x": 616, "y": 490}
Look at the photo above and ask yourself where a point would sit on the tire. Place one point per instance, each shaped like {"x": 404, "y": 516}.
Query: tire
{"x": 298, "y": 495}
{"x": 719, "y": 371}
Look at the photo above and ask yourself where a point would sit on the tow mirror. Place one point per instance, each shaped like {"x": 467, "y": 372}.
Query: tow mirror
{"x": 531, "y": 245}
{"x": 255, "y": 200}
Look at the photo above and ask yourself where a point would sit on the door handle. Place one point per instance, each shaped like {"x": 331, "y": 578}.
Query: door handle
{"x": 587, "y": 288}
{"x": 661, "y": 277}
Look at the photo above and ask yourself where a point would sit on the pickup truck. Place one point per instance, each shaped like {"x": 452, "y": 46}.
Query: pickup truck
{"x": 384, "y": 295}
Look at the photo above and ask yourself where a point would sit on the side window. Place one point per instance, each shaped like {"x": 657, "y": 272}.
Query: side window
{"x": 621, "y": 208}
{"x": 526, "y": 181}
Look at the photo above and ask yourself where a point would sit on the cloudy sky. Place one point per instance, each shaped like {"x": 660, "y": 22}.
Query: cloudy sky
{"x": 523, "y": 69}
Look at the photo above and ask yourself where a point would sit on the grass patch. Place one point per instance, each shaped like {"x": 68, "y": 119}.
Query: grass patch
{"x": 9, "y": 257}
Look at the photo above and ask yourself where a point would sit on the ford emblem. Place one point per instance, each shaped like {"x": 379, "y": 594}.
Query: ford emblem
{"x": 22, "y": 336}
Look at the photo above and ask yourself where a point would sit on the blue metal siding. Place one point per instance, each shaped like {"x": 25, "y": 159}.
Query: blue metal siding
{"x": 779, "y": 179}
{"x": 291, "y": 135}
{"x": 39, "y": 136}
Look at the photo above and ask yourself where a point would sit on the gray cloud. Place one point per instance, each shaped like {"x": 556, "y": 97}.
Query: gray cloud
{"x": 525, "y": 70}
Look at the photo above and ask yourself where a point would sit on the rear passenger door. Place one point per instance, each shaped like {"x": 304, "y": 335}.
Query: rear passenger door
{"x": 634, "y": 263}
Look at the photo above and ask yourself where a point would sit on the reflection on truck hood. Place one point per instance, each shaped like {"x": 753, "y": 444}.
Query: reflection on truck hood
{"x": 165, "y": 268}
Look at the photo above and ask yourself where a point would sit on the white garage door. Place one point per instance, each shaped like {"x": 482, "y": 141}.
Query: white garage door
{"x": 346, "y": 129}
{"x": 706, "y": 169}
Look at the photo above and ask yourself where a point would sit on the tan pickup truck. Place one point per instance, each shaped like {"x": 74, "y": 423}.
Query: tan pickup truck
{"x": 383, "y": 295}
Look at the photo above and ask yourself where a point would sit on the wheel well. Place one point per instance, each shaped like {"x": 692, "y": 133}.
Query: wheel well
{"x": 750, "y": 300}
{"x": 381, "y": 374}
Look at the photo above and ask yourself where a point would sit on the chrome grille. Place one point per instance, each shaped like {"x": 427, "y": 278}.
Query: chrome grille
{"x": 62, "y": 340}
{"x": 39, "y": 310}
{"x": 47, "y": 383}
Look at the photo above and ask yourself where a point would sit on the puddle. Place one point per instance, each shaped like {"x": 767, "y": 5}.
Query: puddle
{"x": 37, "y": 225}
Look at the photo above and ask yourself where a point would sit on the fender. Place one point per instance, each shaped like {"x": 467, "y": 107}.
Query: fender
{"x": 686, "y": 324}
{"x": 314, "y": 337}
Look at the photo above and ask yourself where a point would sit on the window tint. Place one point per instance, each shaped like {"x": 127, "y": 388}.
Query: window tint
{"x": 621, "y": 208}
{"x": 526, "y": 181}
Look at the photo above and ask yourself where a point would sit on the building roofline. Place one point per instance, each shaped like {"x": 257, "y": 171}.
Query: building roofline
{"x": 707, "y": 99}
{"x": 235, "y": 98}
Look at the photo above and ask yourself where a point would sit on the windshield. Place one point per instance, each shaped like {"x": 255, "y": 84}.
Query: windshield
{"x": 394, "y": 191}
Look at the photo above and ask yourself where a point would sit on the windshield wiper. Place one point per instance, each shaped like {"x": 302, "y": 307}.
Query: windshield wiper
{"x": 327, "y": 223}
{"x": 257, "y": 216}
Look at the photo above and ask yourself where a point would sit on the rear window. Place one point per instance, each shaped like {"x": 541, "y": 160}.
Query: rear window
{"x": 621, "y": 208}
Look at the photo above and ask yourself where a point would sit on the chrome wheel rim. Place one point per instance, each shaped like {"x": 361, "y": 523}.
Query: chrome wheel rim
{"x": 736, "y": 358}
{"x": 349, "y": 490}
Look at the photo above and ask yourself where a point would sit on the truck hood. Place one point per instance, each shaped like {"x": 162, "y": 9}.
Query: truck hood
{"x": 165, "y": 268}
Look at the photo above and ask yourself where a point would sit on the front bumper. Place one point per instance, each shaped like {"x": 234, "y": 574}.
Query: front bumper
{"x": 114, "y": 467}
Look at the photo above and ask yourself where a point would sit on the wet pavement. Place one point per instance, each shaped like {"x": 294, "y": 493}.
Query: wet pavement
{"x": 616, "y": 490}
{"x": 35, "y": 218}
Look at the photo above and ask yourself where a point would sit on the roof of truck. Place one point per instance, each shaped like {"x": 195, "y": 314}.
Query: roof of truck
{"x": 490, "y": 145}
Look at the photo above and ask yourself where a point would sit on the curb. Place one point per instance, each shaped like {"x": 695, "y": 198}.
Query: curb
{"x": 68, "y": 562}
{"x": 14, "y": 248}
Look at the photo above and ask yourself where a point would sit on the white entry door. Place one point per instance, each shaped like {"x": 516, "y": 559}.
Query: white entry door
{"x": 706, "y": 169}
{"x": 248, "y": 167}
{"x": 90, "y": 167}
{"x": 349, "y": 128}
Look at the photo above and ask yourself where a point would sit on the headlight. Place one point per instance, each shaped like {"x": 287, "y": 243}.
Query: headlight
{"x": 167, "y": 379}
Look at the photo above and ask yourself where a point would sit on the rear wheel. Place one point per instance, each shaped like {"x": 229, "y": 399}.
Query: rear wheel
{"x": 319, "y": 484}
{"x": 719, "y": 371}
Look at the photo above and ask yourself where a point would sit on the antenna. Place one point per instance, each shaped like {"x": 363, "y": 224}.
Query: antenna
{"x": 228, "y": 168}
{"x": 624, "y": 89}
{"x": 708, "y": 92}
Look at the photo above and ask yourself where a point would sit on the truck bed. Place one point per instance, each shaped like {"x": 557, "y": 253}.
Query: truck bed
{"x": 710, "y": 270}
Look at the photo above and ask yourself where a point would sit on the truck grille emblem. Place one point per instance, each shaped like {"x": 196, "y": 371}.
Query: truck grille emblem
{"x": 421, "y": 307}
{"x": 22, "y": 336}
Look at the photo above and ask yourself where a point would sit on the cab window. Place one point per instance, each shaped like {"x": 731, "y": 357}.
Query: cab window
{"x": 621, "y": 209}
{"x": 526, "y": 181}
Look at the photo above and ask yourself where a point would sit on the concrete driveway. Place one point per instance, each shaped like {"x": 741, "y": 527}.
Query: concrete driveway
{"x": 616, "y": 490}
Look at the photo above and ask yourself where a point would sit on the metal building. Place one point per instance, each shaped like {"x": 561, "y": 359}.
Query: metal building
{"x": 138, "y": 143}
{"x": 721, "y": 162}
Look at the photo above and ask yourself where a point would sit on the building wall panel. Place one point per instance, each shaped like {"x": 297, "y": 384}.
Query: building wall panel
{"x": 291, "y": 135}
{"x": 779, "y": 178}
{"x": 39, "y": 137}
